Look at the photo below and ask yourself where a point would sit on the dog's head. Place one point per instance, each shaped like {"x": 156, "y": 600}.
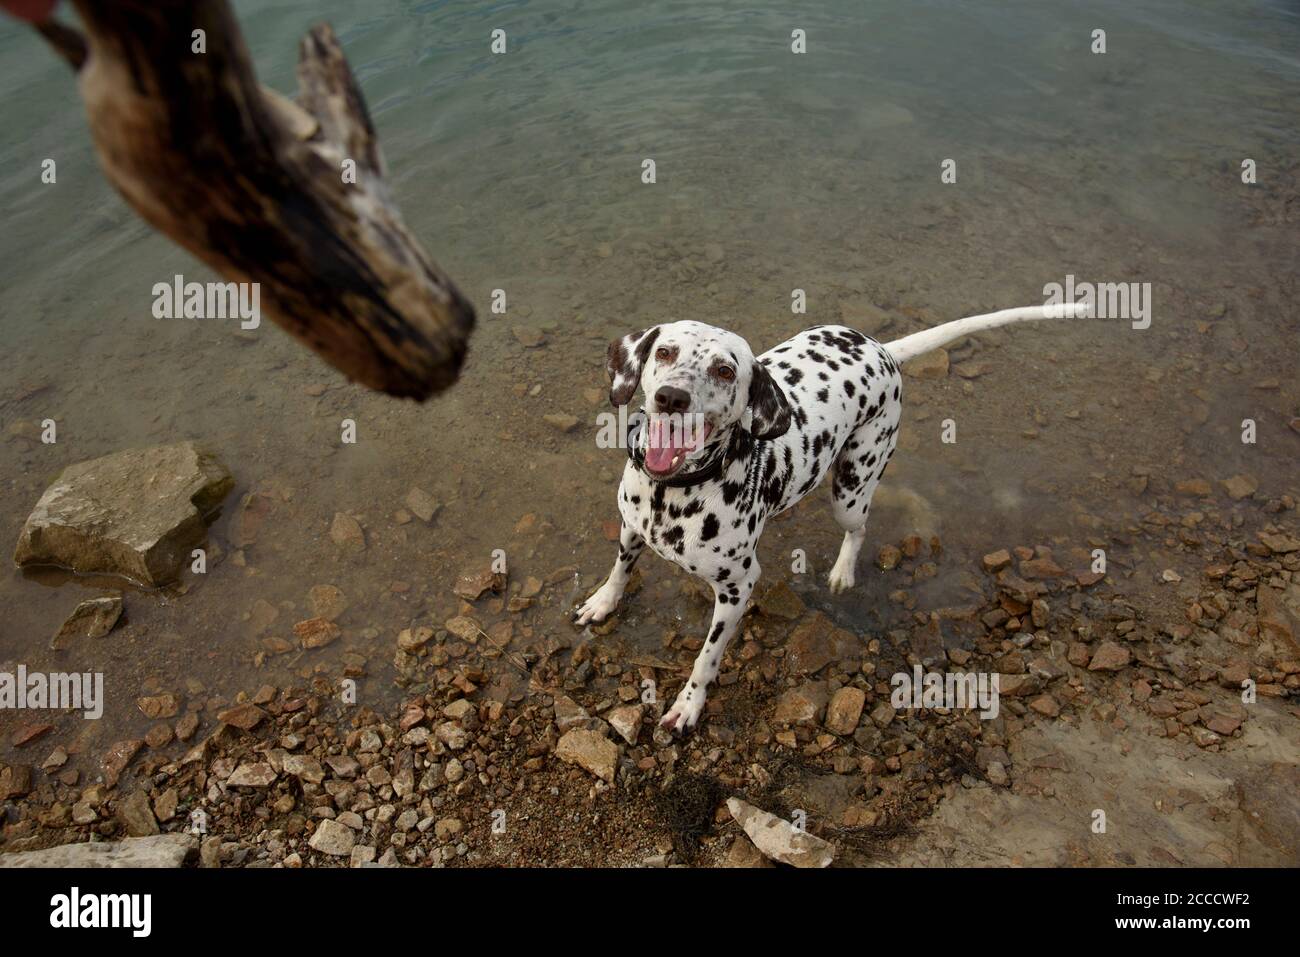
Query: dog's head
{"x": 699, "y": 382}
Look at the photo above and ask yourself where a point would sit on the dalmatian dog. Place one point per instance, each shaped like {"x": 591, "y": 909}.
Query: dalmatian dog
{"x": 728, "y": 440}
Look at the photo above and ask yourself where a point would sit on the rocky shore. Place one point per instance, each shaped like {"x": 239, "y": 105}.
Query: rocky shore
{"x": 1111, "y": 685}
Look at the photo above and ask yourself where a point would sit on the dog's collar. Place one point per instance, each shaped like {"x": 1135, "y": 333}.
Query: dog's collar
{"x": 715, "y": 463}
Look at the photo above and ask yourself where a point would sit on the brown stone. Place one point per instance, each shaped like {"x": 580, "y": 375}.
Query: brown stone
{"x": 117, "y": 759}
{"x": 802, "y": 705}
{"x": 474, "y": 585}
{"x": 246, "y": 717}
{"x": 159, "y": 705}
{"x": 1110, "y": 657}
{"x": 92, "y": 618}
{"x": 316, "y": 632}
{"x": 996, "y": 561}
{"x": 591, "y": 751}
{"x": 845, "y": 710}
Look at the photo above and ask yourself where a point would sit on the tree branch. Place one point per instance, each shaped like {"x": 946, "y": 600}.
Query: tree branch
{"x": 252, "y": 184}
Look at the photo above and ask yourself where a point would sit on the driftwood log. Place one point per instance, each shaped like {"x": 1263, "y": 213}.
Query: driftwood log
{"x": 252, "y": 183}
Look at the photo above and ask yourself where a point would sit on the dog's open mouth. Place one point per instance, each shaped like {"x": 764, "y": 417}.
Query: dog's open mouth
{"x": 670, "y": 439}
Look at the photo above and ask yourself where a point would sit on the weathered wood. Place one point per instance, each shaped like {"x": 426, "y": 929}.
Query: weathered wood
{"x": 252, "y": 184}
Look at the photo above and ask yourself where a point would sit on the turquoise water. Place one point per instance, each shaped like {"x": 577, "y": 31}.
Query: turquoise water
{"x": 775, "y": 172}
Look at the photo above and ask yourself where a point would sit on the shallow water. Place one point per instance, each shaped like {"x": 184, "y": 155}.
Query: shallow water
{"x": 775, "y": 171}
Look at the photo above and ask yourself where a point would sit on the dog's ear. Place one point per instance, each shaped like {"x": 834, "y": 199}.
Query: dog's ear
{"x": 624, "y": 361}
{"x": 768, "y": 406}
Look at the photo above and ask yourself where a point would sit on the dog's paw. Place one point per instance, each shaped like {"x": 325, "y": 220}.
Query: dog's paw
{"x": 685, "y": 712}
{"x": 596, "y": 608}
{"x": 840, "y": 579}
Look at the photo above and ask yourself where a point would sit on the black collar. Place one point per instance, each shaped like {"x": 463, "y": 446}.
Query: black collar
{"x": 713, "y": 464}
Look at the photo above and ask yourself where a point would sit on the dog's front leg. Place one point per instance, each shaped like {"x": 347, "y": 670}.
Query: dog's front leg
{"x": 605, "y": 599}
{"x": 729, "y": 600}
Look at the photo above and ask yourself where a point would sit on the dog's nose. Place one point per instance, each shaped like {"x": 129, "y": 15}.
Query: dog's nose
{"x": 670, "y": 399}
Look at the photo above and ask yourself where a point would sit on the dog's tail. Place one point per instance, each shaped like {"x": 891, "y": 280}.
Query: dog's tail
{"x": 909, "y": 347}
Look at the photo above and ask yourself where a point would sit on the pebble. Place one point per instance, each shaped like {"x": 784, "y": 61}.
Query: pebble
{"x": 448, "y": 828}
{"x": 569, "y": 714}
{"x": 327, "y": 601}
{"x": 333, "y": 838}
{"x": 136, "y": 816}
{"x": 116, "y": 760}
{"x": 159, "y": 706}
{"x": 626, "y": 721}
{"x": 845, "y": 710}
{"x": 316, "y": 632}
{"x": 421, "y": 504}
{"x": 304, "y": 767}
{"x": 1197, "y": 488}
{"x": 930, "y": 365}
{"x": 802, "y": 705}
{"x": 591, "y": 751}
{"x": 996, "y": 561}
{"x": 1240, "y": 486}
{"x": 246, "y": 717}
{"x": 92, "y": 618}
{"x": 1110, "y": 657}
{"x": 187, "y": 726}
{"x": 528, "y": 337}
{"x": 780, "y": 601}
{"x": 253, "y": 775}
{"x": 346, "y": 532}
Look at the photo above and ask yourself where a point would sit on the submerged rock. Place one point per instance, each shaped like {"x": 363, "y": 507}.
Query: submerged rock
{"x": 93, "y": 618}
{"x": 135, "y": 513}
{"x": 929, "y": 365}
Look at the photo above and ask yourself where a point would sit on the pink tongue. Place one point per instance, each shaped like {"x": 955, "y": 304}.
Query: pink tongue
{"x": 664, "y": 442}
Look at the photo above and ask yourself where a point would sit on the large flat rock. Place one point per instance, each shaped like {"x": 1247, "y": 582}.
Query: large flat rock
{"x": 135, "y": 513}
{"x": 161, "y": 850}
{"x": 779, "y": 839}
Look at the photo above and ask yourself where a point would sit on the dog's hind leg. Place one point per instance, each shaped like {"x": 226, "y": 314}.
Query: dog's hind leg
{"x": 857, "y": 472}
{"x": 729, "y": 600}
{"x": 606, "y": 597}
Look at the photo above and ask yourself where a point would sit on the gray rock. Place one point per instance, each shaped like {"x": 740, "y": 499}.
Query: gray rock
{"x": 135, "y": 513}
{"x": 421, "y": 504}
{"x": 333, "y": 838}
{"x": 569, "y": 714}
{"x": 257, "y": 774}
{"x": 305, "y": 768}
{"x": 778, "y": 839}
{"x": 627, "y": 721}
{"x": 160, "y": 850}
{"x": 93, "y": 618}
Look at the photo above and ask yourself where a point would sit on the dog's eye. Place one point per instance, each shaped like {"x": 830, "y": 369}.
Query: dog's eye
{"x": 725, "y": 373}
{"x": 664, "y": 354}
